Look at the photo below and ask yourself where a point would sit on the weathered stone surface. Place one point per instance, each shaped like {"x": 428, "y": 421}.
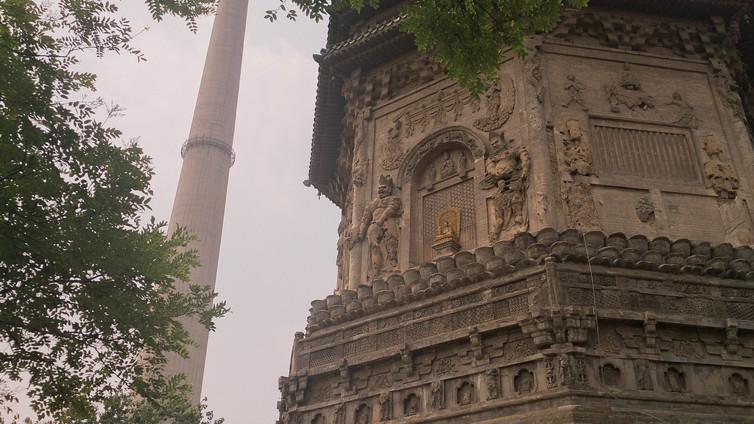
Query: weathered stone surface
{"x": 571, "y": 247}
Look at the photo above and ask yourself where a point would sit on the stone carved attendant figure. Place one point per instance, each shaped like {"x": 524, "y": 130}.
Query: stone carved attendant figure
{"x": 685, "y": 116}
{"x": 493, "y": 384}
{"x": 438, "y": 396}
{"x": 411, "y": 405}
{"x": 497, "y": 112}
{"x": 507, "y": 168}
{"x": 363, "y": 415}
{"x": 574, "y": 88}
{"x": 360, "y": 162}
{"x": 379, "y": 225}
{"x": 578, "y": 157}
{"x": 392, "y": 150}
{"x": 385, "y": 406}
{"x": 339, "y": 415}
{"x": 448, "y": 167}
{"x": 340, "y": 260}
{"x": 720, "y": 174}
{"x": 629, "y": 93}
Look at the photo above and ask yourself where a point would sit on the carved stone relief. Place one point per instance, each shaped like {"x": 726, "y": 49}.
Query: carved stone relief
{"x": 533, "y": 66}
{"x": 611, "y": 375}
{"x": 684, "y": 112}
{"x": 550, "y": 375}
{"x": 465, "y": 393}
{"x": 628, "y": 93}
{"x": 360, "y": 160}
{"x": 665, "y": 153}
{"x": 386, "y": 406}
{"x": 574, "y": 90}
{"x": 523, "y": 382}
{"x": 379, "y": 225}
{"x": 342, "y": 248}
{"x": 363, "y": 414}
{"x": 441, "y": 109}
{"x": 448, "y": 164}
{"x": 577, "y": 152}
{"x": 645, "y": 209}
{"x": 492, "y": 379}
{"x": 339, "y": 414}
{"x": 720, "y": 175}
{"x": 738, "y": 385}
{"x": 392, "y": 150}
{"x": 565, "y": 370}
{"x": 675, "y": 380}
{"x": 389, "y": 81}
{"x": 728, "y": 88}
{"x": 448, "y": 230}
{"x": 639, "y": 33}
{"x": 411, "y": 405}
{"x": 643, "y": 375}
{"x": 582, "y": 214}
{"x": 497, "y": 111}
{"x": 507, "y": 168}
{"x": 736, "y": 219}
{"x": 437, "y": 395}
{"x": 447, "y": 137}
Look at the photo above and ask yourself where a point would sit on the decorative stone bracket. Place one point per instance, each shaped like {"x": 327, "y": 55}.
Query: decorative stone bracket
{"x": 551, "y": 327}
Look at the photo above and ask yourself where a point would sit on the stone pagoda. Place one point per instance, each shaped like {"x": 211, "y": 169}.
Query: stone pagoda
{"x": 571, "y": 246}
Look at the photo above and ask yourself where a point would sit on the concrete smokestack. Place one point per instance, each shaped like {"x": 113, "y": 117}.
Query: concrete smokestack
{"x": 207, "y": 157}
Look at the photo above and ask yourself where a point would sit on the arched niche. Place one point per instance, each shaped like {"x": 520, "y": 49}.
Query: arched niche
{"x": 442, "y": 173}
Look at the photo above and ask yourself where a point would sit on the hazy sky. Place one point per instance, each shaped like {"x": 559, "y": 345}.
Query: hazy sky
{"x": 278, "y": 246}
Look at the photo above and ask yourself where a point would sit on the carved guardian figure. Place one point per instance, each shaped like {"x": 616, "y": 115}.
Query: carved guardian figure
{"x": 379, "y": 225}
{"x": 507, "y": 168}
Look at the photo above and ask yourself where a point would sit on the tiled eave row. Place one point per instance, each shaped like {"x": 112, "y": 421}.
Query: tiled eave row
{"x": 530, "y": 250}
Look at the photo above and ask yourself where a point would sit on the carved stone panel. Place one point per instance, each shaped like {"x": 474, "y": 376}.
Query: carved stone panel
{"x": 624, "y": 149}
{"x": 459, "y": 196}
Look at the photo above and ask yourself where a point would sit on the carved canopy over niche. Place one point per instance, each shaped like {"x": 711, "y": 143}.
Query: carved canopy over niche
{"x": 441, "y": 171}
{"x": 458, "y": 136}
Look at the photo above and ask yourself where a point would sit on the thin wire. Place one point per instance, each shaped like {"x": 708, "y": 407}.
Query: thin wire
{"x": 594, "y": 291}
{"x": 597, "y": 328}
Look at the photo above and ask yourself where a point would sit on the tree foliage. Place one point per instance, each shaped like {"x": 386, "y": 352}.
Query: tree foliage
{"x": 467, "y": 37}
{"x": 88, "y": 308}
